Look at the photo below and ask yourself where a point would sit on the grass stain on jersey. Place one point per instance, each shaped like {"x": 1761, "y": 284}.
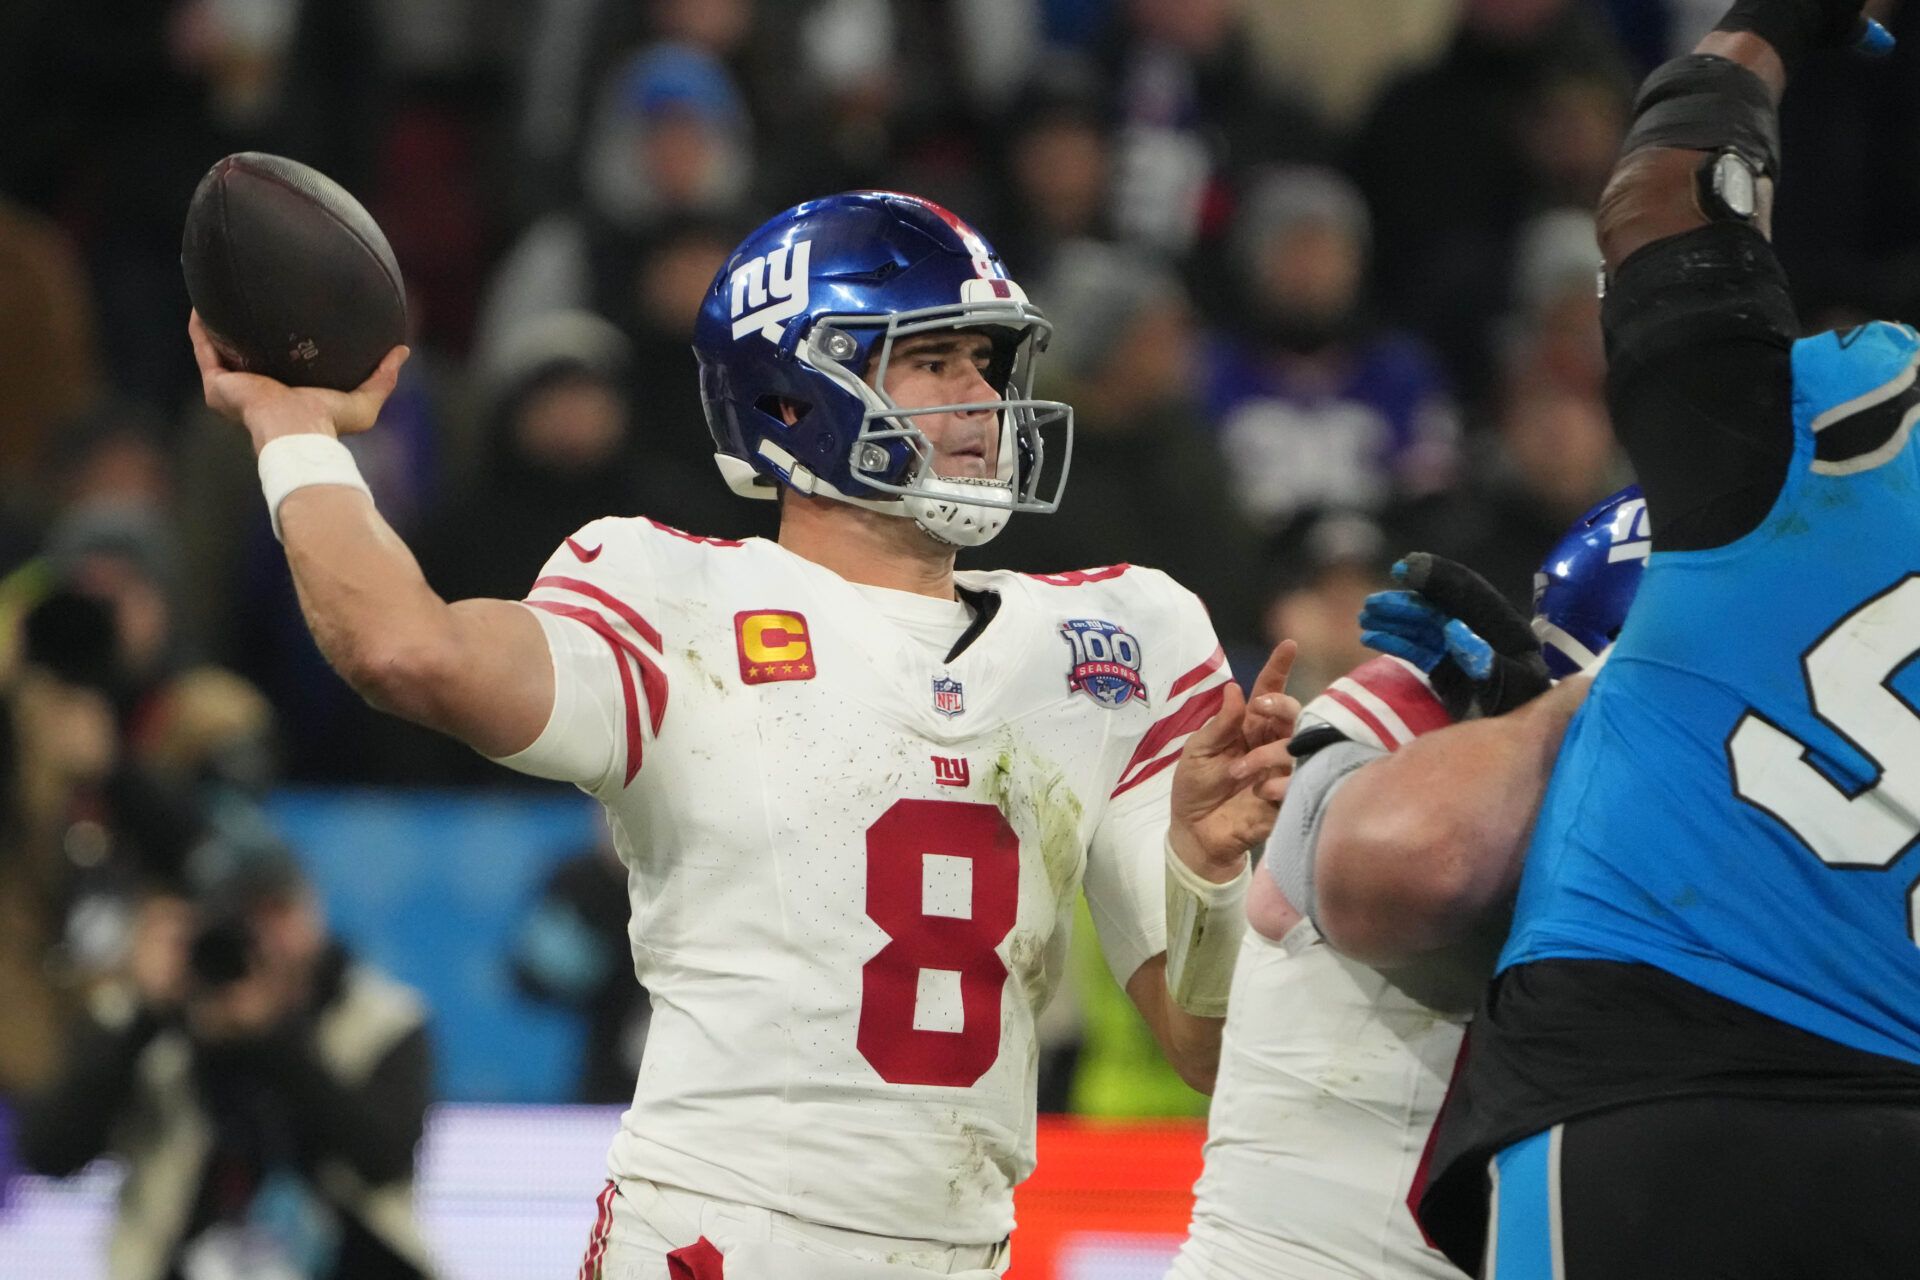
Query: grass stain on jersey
{"x": 700, "y": 671}
{"x": 969, "y": 1171}
{"x": 1034, "y": 796}
{"x": 1027, "y": 956}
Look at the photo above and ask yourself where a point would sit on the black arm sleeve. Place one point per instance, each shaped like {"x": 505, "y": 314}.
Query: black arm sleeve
{"x": 373, "y": 1125}
{"x": 1699, "y": 331}
{"x": 71, "y": 1122}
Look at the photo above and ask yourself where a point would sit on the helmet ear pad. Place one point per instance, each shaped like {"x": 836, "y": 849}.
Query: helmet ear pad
{"x": 805, "y": 412}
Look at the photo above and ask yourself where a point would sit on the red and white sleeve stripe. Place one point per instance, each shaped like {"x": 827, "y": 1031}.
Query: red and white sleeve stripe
{"x": 590, "y": 1266}
{"x": 628, "y": 636}
{"x": 1160, "y": 748}
{"x": 1384, "y": 702}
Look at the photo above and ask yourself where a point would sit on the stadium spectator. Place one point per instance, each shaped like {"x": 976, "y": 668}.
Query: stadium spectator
{"x": 892, "y": 93}
{"x": 115, "y": 776}
{"x": 558, "y": 444}
{"x": 1059, "y": 163}
{"x": 1339, "y": 560}
{"x": 1553, "y": 454}
{"x": 1551, "y": 338}
{"x": 1317, "y": 409}
{"x": 97, "y": 819}
{"x": 1148, "y": 475}
{"x": 572, "y": 952}
{"x": 1337, "y": 55}
{"x": 58, "y": 746}
{"x": 48, "y": 364}
{"x": 1550, "y": 454}
{"x": 670, "y": 139}
{"x": 1193, "y": 115}
{"x": 264, "y": 1091}
{"x": 668, "y": 281}
{"x": 112, "y": 453}
{"x": 1444, "y": 162}
{"x": 1570, "y": 134}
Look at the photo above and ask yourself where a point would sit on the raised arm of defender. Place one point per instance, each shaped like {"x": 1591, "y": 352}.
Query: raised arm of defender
{"x": 1699, "y": 330}
{"x": 477, "y": 670}
{"x": 1722, "y": 98}
{"x": 1698, "y": 318}
{"x": 1655, "y": 190}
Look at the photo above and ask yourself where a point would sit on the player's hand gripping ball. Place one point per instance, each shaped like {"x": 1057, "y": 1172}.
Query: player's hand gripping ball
{"x": 291, "y": 276}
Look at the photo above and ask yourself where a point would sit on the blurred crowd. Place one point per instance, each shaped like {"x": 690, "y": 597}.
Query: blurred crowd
{"x": 1323, "y": 277}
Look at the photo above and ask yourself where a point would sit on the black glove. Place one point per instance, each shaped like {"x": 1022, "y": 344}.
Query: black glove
{"x": 1477, "y": 649}
{"x": 1797, "y": 27}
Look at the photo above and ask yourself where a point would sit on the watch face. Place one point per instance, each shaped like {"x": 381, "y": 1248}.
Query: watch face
{"x": 1733, "y": 182}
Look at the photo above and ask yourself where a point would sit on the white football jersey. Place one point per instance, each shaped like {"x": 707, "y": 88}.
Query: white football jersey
{"x": 1330, "y": 1079}
{"x": 852, "y": 863}
{"x": 1331, "y": 1073}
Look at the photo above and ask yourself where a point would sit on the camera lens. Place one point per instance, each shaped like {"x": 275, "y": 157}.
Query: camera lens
{"x": 222, "y": 952}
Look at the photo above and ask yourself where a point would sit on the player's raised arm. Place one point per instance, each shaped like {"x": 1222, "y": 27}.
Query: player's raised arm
{"x": 478, "y": 670}
{"x": 1698, "y": 320}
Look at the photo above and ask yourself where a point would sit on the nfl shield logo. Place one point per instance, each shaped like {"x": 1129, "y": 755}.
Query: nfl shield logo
{"x": 948, "y": 698}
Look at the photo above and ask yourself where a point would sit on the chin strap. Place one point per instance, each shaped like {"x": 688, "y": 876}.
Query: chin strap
{"x": 935, "y": 508}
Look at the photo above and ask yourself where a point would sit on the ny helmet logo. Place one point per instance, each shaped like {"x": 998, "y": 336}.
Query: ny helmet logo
{"x": 770, "y": 289}
{"x": 1631, "y": 534}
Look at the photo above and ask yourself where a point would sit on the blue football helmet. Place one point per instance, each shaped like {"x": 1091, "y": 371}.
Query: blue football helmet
{"x": 1582, "y": 592}
{"x": 816, "y": 298}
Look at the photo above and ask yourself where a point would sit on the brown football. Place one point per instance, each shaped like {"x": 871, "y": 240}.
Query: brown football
{"x": 291, "y": 276}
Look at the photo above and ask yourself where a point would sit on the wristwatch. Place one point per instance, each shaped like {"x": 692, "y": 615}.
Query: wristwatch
{"x": 1729, "y": 186}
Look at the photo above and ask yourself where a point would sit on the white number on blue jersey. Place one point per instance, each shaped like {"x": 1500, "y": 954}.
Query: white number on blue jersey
{"x": 1848, "y": 675}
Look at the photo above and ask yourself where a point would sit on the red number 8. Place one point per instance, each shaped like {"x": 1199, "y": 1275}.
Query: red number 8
{"x": 897, "y": 847}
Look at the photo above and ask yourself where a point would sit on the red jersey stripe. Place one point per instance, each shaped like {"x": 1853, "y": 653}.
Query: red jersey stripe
{"x": 1192, "y": 713}
{"x": 620, "y": 607}
{"x": 1157, "y": 766}
{"x": 1352, "y": 704}
{"x": 693, "y": 537}
{"x": 602, "y": 1232}
{"x": 1079, "y": 577}
{"x": 1199, "y": 673}
{"x": 619, "y": 648}
{"x": 652, "y": 679}
{"x": 1411, "y": 698}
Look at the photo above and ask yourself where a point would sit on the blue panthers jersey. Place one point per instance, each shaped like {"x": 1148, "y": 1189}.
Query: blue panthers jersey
{"x": 1736, "y": 801}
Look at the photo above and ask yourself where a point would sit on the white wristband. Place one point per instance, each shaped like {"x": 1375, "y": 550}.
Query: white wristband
{"x": 296, "y": 461}
{"x": 1205, "y": 922}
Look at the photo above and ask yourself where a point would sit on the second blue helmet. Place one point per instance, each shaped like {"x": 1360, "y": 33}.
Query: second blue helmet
{"x": 1583, "y": 590}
